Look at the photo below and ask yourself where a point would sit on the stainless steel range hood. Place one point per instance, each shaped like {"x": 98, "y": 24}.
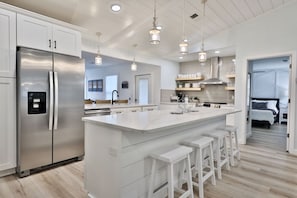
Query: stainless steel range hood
{"x": 215, "y": 66}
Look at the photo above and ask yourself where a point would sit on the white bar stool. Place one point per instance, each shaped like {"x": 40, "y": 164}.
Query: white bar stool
{"x": 202, "y": 145}
{"x": 220, "y": 150}
{"x": 233, "y": 141}
{"x": 172, "y": 156}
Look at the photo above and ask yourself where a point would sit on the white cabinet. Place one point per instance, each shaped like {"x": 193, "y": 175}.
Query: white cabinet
{"x": 66, "y": 41}
{"x": 8, "y": 125}
{"x": 7, "y": 43}
{"x": 38, "y": 34}
{"x": 124, "y": 109}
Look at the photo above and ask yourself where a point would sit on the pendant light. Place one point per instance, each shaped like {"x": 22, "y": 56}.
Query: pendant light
{"x": 154, "y": 32}
{"x": 133, "y": 65}
{"x": 202, "y": 56}
{"x": 183, "y": 46}
{"x": 98, "y": 58}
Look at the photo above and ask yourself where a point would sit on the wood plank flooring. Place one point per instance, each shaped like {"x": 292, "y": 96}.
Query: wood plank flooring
{"x": 274, "y": 138}
{"x": 261, "y": 173}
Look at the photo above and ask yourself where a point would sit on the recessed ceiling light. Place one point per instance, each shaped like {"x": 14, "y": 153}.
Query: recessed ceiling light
{"x": 180, "y": 57}
{"x": 115, "y": 7}
{"x": 217, "y": 52}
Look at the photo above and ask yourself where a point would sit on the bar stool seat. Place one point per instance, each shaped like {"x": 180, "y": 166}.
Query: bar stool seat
{"x": 220, "y": 150}
{"x": 171, "y": 156}
{"x": 234, "y": 150}
{"x": 202, "y": 146}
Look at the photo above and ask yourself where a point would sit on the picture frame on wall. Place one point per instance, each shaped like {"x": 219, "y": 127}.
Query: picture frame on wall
{"x": 95, "y": 85}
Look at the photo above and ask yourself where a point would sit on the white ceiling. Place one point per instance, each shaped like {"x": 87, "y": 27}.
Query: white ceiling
{"x": 131, "y": 25}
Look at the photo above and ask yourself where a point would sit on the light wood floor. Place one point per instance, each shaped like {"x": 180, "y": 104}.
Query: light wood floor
{"x": 274, "y": 138}
{"x": 261, "y": 173}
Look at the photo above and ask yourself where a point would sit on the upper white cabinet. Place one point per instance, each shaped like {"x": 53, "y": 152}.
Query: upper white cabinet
{"x": 38, "y": 34}
{"x": 8, "y": 125}
{"x": 7, "y": 43}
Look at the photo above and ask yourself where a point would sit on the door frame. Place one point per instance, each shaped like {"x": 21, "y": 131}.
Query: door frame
{"x": 150, "y": 87}
{"x": 292, "y": 95}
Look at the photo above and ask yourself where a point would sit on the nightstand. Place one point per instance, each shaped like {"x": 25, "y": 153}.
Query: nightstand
{"x": 283, "y": 115}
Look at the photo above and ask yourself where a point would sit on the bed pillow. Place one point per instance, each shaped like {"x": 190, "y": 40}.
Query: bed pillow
{"x": 259, "y": 105}
{"x": 271, "y": 104}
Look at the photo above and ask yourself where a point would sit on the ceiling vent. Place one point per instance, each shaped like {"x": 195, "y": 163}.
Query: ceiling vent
{"x": 194, "y": 16}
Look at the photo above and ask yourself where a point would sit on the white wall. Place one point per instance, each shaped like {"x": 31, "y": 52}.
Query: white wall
{"x": 272, "y": 34}
{"x": 169, "y": 69}
{"x": 125, "y": 74}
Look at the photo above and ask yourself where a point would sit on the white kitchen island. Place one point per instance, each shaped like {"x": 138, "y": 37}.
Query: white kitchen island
{"x": 117, "y": 147}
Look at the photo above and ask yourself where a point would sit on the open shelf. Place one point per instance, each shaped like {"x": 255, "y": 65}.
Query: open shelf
{"x": 230, "y": 75}
{"x": 230, "y": 88}
{"x": 189, "y": 79}
{"x": 188, "y": 89}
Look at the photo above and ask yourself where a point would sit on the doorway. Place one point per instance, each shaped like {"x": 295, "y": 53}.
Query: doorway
{"x": 143, "y": 92}
{"x": 268, "y": 106}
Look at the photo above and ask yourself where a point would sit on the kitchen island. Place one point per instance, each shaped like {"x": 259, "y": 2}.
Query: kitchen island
{"x": 117, "y": 147}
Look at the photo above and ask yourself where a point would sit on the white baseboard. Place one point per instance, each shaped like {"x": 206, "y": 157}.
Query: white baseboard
{"x": 7, "y": 172}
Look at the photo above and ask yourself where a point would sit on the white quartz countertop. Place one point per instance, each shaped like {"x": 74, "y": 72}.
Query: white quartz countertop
{"x": 151, "y": 121}
{"x": 114, "y": 106}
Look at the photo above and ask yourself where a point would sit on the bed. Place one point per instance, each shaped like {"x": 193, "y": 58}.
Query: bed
{"x": 264, "y": 112}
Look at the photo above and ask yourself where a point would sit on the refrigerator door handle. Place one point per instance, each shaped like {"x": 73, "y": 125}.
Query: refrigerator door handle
{"x": 56, "y": 83}
{"x": 51, "y": 100}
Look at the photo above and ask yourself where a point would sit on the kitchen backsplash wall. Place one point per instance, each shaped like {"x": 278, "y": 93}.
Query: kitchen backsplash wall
{"x": 165, "y": 95}
{"x": 212, "y": 93}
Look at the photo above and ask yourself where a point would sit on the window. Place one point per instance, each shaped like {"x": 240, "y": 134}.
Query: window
{"x": 111, "y": 83}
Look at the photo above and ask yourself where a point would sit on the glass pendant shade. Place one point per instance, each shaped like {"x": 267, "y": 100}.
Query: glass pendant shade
{"x": 98, "y": 60}
{"x": 202, "y": 56}
{"x": 133, "y": 66}
{"x": 154, "y": 36}
{"x": 183, "y": 47}
{"x": 154, "y": 32}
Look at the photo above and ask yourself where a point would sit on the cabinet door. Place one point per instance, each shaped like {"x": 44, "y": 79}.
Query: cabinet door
{"x": 7, "y": 43}
{"x": 150, "y": 108}
{"x": 66, "y": 41}
{"x": 34, "y": 33}
{"x": 7, "y": 123}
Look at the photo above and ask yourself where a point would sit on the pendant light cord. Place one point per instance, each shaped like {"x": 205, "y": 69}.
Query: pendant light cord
{"x": 203, "y": 23}
{"x": 155, "y": 14}
{"x": 184, "y": 21}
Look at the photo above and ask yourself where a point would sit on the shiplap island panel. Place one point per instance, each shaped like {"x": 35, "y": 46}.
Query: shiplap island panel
{"x": 117, "y": 147}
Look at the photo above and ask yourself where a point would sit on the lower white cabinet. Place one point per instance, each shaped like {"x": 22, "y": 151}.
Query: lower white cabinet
{"x": 7, "y": 126}
{"x": 150, "y": 108}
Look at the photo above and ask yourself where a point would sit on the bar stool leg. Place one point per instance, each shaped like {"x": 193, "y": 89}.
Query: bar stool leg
{"x": 189, "y": 176}
{"x": 200, "y": 173}
{"x": 213, "y": 178}
{"x": 231, "y": 149}
{"x": 237, "y": 146}
{"x": 170, "y": 181}
{"x": 151, "y": 188}
{"x": 218, "y": 158}
{"x": 226, "y": 153}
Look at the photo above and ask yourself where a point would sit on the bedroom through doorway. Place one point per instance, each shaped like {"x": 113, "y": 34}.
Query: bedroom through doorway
{"x": 268, "y": 94}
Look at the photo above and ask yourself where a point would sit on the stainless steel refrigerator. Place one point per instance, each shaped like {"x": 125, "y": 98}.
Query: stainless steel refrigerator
{"x": 50, "y": 89}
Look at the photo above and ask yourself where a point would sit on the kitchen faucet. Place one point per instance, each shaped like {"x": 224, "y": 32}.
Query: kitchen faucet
{"x": 113, "y": 101}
